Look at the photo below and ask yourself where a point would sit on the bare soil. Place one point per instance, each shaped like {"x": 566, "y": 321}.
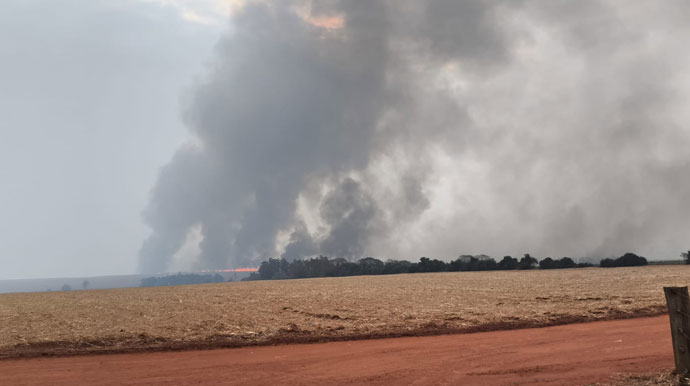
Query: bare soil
{"x": 314, "y": 310}
{"x": 576, "y": 354}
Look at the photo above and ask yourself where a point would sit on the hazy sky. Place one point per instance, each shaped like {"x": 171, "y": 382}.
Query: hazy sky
{"x": 162, "y": 135}
{"x": 89, "y": 110}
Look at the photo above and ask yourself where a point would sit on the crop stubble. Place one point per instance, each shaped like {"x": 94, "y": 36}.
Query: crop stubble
{"x": 269, "y": 312}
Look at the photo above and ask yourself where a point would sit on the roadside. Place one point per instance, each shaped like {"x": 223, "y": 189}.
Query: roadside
{"x": 576, "y": 354}
{"x": 663, "y": 378}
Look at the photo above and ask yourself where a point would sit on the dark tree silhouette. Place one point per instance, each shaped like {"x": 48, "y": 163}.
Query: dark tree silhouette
{"x": 273, "y": 269}
{"x": 473, "y": 263}
{"x": 396, "y": 266}
{"x": 566, "y": 262}
{"x": 547, "y": 263}
{"x": 431, "y": 265}
{"x": 323, "y": 266}
{"x": 508, "y": 262}
{"x": 562, "y": 263}
{"x": 627, "y": 260}
{"x": 371, "y": 266}
{"x": 527, "y": 262}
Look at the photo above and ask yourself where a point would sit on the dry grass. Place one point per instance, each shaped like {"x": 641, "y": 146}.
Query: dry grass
{"x": 235, "y": 314}
{"x": 655, "y": 379}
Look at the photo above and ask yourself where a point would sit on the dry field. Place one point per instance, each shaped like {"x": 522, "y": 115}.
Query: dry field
{"x": 246, "y": 313}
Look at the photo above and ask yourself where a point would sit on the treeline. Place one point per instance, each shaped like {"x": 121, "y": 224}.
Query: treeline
{"x": 322, "y": 266}
{"x": 627, "y": 260}
{"x": 180, "y": 279}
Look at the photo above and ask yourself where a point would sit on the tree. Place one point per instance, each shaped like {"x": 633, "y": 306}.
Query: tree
{"x": 482, "y": 264}
{"x": 431, "y": 265}
{"x": 85, "y": 284}
{"x": 508, "y": 262}
{"x": 627, "y": 260}
{"x": 371, "y": 266}
{"x": 296, "y": 270}
{"x": 396, "y": 266}
{"x": 527, "y": 262}
{"x": 562, "y": 263}
{"x": 273, "y": 269}
{"x": 566, "y": 262}
{"x": 342, "y": 267}
{"x": 686, "y": 257}
{"x": 547, "y": 263}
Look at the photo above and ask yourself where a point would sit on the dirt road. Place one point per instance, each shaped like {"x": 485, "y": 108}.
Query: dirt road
{"x": 576, "y": 354}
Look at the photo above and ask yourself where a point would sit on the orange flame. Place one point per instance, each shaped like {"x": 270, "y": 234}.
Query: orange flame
{"x": 232, "y": 270}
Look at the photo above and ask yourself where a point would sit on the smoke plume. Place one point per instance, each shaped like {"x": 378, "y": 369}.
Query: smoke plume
{"x": 403, "y": 128}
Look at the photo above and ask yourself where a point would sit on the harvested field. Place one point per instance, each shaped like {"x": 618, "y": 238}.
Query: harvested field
{"x": 248, "y": 313}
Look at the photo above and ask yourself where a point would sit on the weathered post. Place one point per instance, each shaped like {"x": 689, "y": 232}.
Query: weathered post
{"x": 677, "y": 299}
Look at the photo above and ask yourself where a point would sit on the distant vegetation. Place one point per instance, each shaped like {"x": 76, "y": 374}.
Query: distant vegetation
{"x": 181, "y": 278}
{"x": 323, "y": 266}
{"x": 627, "y": 260}
{"x": 565, "y": 262}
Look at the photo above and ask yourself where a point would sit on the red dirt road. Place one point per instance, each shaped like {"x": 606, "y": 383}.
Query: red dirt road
{"x": 576, "y": 354}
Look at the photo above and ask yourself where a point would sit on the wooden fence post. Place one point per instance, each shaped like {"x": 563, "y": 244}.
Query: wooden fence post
{"x": 677, "y": 299}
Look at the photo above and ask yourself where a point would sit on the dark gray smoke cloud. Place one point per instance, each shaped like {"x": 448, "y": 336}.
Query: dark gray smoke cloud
{"x": 405, "y": 128}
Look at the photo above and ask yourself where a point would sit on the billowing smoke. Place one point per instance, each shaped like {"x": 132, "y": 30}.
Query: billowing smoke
{"x": 403, "y": 128}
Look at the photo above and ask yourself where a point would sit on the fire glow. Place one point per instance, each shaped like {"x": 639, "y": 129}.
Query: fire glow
{"x": 232, "y": 270}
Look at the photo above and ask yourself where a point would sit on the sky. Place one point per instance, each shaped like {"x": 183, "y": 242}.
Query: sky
{"x": 156, "y": 136}
{"x": 90, "y": 111}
